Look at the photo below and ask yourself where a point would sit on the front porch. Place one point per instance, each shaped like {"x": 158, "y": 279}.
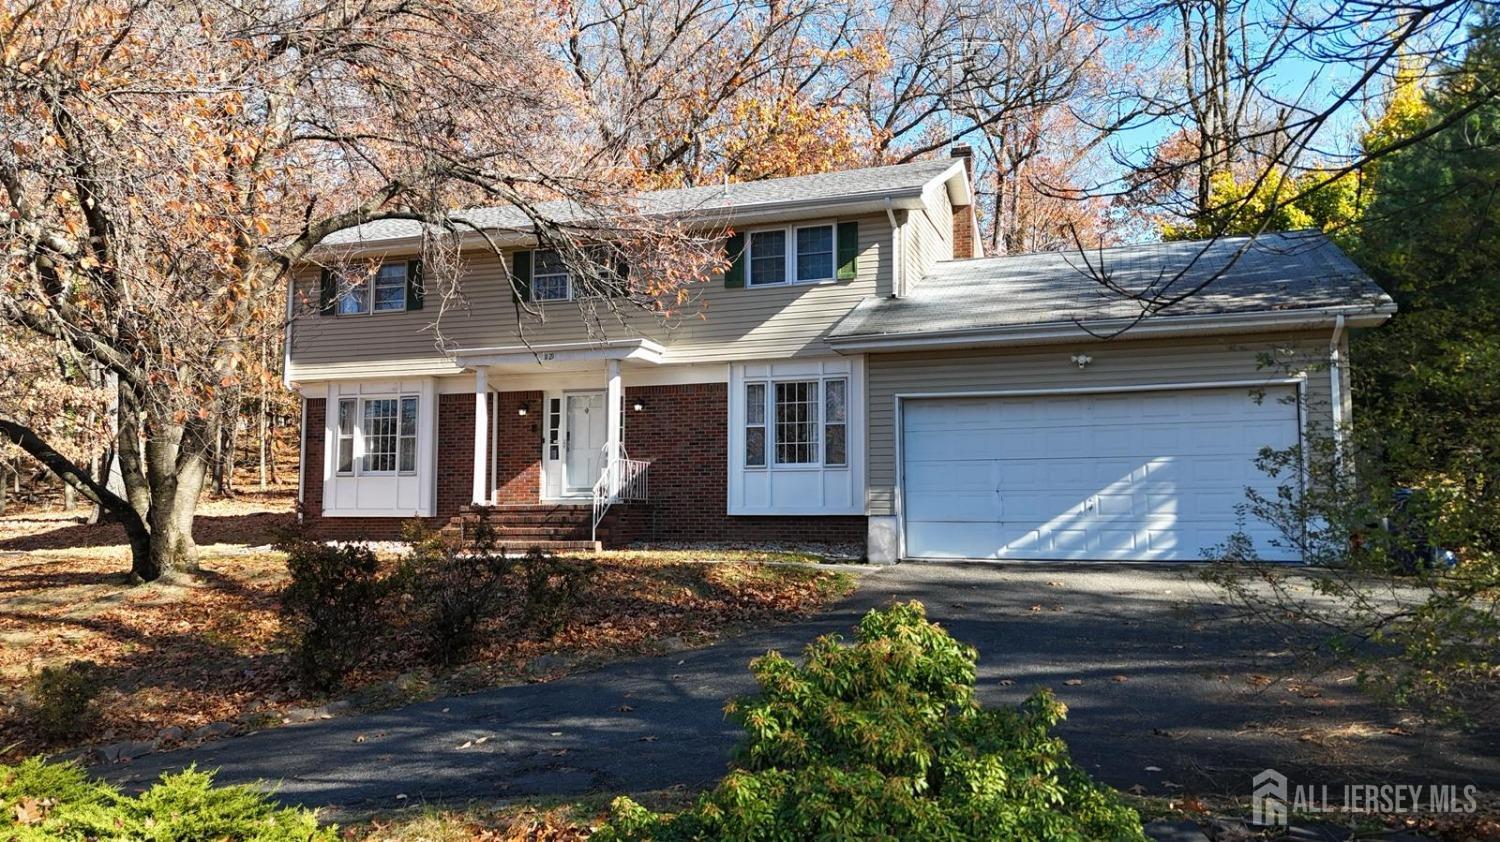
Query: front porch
{"x": 550, "y": 466}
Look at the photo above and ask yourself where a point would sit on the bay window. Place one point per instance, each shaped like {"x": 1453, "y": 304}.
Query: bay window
{"x": 795, "y": 437}
{"x": 835, "y": 422}
{"x": 755, "y": 425}
{"x": 808, "y": 422}
{"x": 376, "y": 435}
{"x": 346, "y": 435}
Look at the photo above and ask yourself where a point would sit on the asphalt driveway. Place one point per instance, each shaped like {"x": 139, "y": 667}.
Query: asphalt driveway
{"x": 1167, "y": 692}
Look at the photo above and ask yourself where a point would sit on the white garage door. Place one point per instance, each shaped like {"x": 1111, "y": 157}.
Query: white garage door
{"x": 1125, "y": 475}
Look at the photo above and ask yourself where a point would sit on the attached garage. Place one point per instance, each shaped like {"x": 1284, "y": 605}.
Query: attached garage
{"x": 1118, "y": 475}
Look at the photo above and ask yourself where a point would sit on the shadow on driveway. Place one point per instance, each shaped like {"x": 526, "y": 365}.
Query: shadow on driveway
{"x": 1166, "y": 690}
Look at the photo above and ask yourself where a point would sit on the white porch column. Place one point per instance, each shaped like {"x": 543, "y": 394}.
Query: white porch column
{"x": 614, "y": 401}
{"x": 481, "y": 436}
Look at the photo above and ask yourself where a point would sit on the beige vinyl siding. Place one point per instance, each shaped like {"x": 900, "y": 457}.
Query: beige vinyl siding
{"x": 716, "y": 324}
{"x": 929, "y": 234}
{"x": 1117, "y": 363}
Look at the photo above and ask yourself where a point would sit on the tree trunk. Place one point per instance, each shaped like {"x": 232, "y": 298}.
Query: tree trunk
{"x": 262, "y": 443}
{"x": 142, "y": 566}
{"x": 172, "y": 547}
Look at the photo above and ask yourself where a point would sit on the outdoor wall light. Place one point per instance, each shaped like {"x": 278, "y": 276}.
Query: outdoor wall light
{"x": 637, "y": 406}
{"x": 1082, "y": 360}
{"x": 521, "y": 411}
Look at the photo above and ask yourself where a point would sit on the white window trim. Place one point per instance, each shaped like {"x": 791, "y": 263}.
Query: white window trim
{"x": 567, "y": 272}
{"x": 401, "y": 285}
{"x": 789, "y": 274}
{"x": 770, "y": 425}
{"x": 338, "y": 436}
{"x": 369, "y": 294}
{"x": 359, "y": 435}
{"x": 849, "y": 477}
{"x": 352, "y": 495}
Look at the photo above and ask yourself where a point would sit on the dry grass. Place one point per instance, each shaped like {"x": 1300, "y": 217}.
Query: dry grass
{"x": 209, "y": 648}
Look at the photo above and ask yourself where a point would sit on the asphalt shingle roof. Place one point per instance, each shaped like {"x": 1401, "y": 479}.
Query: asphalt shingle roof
{"x": 844, "y": 184}
{"x": 1288, "y": 271}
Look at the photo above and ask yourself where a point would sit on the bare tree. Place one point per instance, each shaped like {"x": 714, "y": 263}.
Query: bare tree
{"x": 164, "y": 166}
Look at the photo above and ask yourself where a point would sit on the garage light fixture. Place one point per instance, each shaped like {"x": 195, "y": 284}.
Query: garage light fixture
{"x": 1082, "y": 360}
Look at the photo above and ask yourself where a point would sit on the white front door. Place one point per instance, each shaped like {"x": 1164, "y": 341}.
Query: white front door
{"x": 583, "y": 451}
{"x": 1129, "y": 476}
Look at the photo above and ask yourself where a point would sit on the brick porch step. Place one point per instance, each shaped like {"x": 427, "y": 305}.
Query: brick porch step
{"x": 554, "y": 546}
{"x": 550, "y": 526}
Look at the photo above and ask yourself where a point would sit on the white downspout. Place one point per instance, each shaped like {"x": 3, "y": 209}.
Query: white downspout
{"x": 1336, "y": 383}
{"x": 898, "y": 246}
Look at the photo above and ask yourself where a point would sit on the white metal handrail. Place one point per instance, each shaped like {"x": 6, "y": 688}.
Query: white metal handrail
{"x": 623, "y": 480}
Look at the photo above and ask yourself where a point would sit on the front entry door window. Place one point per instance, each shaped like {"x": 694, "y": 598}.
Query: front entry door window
{"x": 583, "y": 458}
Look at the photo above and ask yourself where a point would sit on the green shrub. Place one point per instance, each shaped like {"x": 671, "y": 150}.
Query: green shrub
{"x": 331, "y": 605}
{"x": 62, "y": 699}
{"x": 52, "y": 801}
{"x": 449, "y": 589}
{"x": 552, "y": 589}
{"x": 885, "y": 739}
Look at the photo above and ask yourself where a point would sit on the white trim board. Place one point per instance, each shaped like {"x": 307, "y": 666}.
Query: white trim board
{"x": 667, "y": 375}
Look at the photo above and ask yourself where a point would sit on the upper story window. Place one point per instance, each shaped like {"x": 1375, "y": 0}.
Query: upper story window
{"x": 796, "y": 255}
{"x": 550, "y": 279}
{"x": 359, "y": 293}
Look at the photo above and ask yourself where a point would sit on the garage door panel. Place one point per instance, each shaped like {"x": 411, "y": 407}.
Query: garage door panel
{"x": 950, "y": 474}
{"x": 1146, "y": 475}
{"x": 956, "y": 507}
{"x": 956, "y": 540}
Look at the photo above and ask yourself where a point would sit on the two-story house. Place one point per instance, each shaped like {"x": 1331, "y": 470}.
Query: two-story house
{"x": 858, "y": 374}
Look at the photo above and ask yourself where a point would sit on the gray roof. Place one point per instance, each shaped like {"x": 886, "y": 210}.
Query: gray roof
{"x": 716, "y": 198}
{"x": 1273, "y": 272}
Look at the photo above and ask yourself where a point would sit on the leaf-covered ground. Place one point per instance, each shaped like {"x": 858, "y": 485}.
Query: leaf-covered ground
{"x": 209, "y": 649}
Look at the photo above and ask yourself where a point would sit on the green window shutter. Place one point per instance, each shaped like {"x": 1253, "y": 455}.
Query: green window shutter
{"x": 414, "y": 288}
{"x": 734, "y": 276}
{"x": 848, "y": 237}
{"x": 621, "y": 286}
{"x": 521, "y": 268}
{"x": 326, "y": 292}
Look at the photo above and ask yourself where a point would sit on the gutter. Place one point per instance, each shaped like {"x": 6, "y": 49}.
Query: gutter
{"x": 1060, "y": 332}
{"x": 739, "y": 214}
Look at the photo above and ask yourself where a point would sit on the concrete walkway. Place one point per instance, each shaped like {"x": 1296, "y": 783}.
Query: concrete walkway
{"x": 1167, "y": 692}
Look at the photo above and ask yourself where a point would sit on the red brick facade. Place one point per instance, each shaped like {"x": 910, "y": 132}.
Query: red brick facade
{"x": 681, "y": 430}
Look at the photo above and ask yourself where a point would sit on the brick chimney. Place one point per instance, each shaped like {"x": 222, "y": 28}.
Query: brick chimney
{"x": 963, "y": 216}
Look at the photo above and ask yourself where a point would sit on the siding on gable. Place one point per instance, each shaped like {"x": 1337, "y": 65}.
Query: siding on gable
{"x": 929, "y": 234}
{"x": 1119, "y": 363}
{"x": 716, "y": 324}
